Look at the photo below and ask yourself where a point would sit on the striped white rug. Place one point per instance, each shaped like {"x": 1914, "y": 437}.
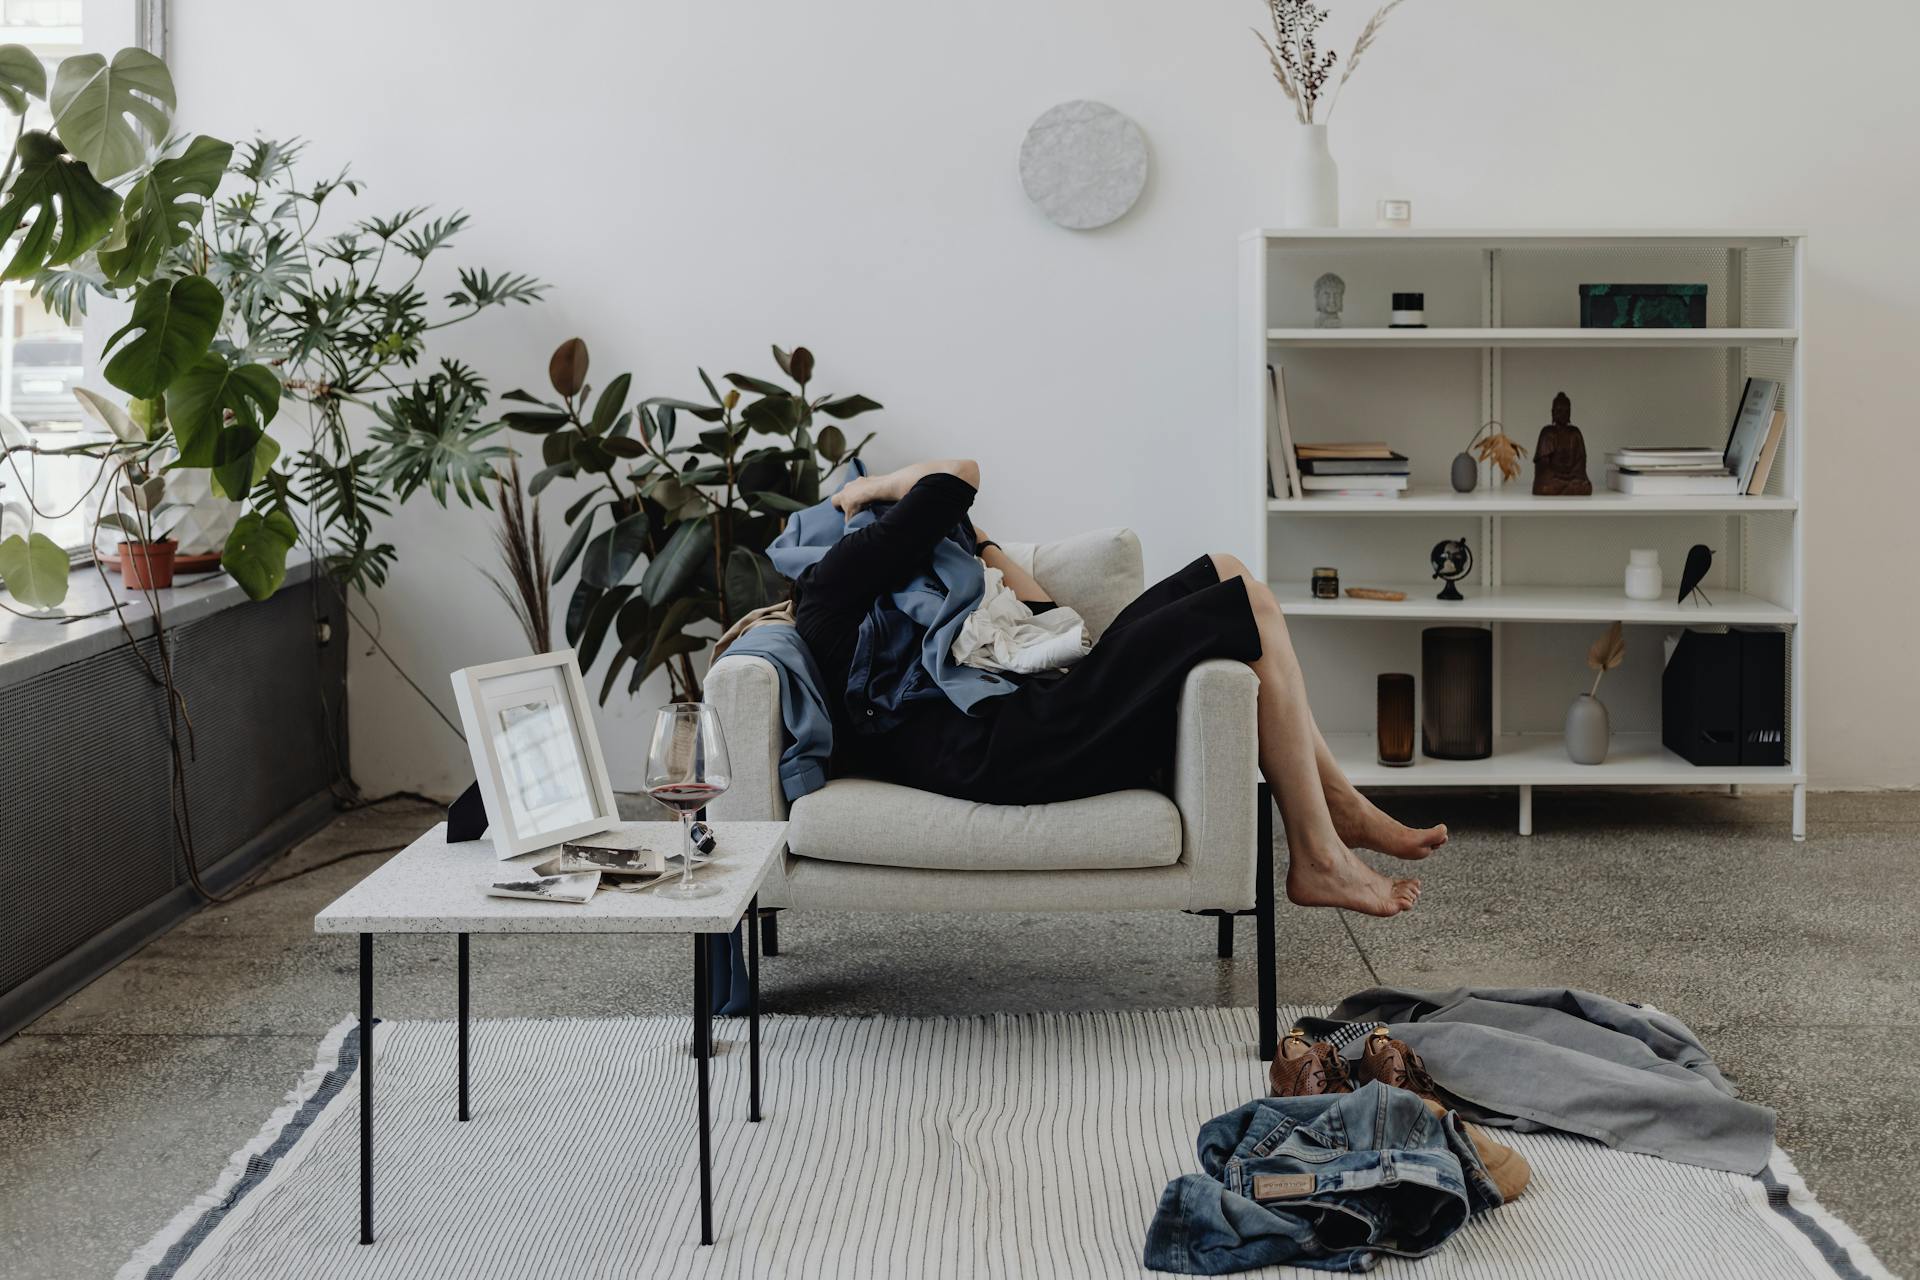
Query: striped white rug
{"x": 1030, "y": 1145}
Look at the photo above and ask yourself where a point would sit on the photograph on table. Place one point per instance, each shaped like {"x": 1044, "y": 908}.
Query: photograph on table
{"x": 535, "y": 752}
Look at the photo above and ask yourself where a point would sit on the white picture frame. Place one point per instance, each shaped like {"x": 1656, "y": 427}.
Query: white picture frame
{"x": 536, "y": 753}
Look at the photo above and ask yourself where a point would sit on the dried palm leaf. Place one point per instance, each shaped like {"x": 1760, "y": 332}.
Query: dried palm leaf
{"x": 1608, "y": 652}
{"x": 1280, "y": 74}
{"x": 1368, "y": 34}
{"x": 523, "y": 550}
{"x": 1503, "y": 451}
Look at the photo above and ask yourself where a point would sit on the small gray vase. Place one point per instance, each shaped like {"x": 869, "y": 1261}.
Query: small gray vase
{"x": 1588, "y": 730}
{"x": 1466, "y": 472}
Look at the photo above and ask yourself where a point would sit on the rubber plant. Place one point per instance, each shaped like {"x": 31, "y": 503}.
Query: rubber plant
{"x": 671, "y": 535}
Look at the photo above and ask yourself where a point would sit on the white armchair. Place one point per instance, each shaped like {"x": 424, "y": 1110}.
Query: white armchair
{"x": 863, "y": 845}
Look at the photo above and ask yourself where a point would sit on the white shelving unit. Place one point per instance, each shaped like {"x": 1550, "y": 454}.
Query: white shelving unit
{"x": 1504, "y": 307}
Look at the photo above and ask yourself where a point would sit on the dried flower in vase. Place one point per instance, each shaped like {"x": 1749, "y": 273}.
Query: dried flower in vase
{"x": 1498, "y": 448}
{"x": 1299, "y": 66}
{"x": 1608, "y": 652}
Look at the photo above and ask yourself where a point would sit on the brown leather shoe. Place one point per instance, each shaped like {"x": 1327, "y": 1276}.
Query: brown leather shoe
{"x": 1392, "y": 1062}
{"x": 1302, "y": 1069}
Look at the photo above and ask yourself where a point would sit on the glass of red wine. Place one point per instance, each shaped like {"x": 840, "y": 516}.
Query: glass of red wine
{"x": 686, "y": 768}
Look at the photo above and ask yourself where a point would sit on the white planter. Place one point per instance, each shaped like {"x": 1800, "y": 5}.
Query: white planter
{"x": 1312, "y": 196}
{"x": 208, "y": 519}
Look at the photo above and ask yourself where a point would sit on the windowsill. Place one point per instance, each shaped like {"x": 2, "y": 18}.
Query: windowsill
{"x": 33, "y": 646}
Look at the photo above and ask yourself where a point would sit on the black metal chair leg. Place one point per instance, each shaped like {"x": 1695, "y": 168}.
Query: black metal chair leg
{"x": 702, "y": 1050}
{"x": 1225, "y": 923}
{"x": 1263, "y": 904}
{"x": 753, "y": 1014}
{"x": 463, "y": 1027}
{"x": 770, "y": 933}
{"x": 366, "y": 1088}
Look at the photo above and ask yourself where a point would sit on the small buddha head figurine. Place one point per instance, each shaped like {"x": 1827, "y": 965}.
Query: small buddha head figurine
{"x": 1560, "y": 457}
{"x": 1329, "y": 296}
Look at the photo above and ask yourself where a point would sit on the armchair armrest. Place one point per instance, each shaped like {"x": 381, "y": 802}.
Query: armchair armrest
{"x": 1216, "y": 760}
{"x": 745, "y": 693}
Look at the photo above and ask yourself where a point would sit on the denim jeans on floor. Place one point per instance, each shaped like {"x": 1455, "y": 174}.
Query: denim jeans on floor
{"x": 1329, "y": 1182}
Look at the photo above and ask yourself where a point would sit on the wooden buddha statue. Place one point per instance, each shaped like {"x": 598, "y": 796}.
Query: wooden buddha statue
{"x": 1560, "y": 457}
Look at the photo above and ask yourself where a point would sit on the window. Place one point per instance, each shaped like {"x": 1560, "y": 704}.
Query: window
{"x": 42, "y": 359}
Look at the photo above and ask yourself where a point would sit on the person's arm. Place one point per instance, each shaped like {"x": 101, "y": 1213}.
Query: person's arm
{"x": 864, "y": 491}
{"x": 1022, "y": 583}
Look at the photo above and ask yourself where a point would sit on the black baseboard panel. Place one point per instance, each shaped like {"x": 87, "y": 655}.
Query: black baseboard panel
{"x": 90, "y": 867}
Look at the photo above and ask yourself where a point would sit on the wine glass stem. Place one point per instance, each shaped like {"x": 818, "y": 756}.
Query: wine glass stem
{"x": 686, "y": 849}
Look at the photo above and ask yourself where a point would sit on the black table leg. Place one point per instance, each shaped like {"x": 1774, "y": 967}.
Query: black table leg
{"x": 702, "y": 1050}
{"x": 366, "y": 1088}
{"x": 1263, "y": 904}
{"x": 463, "y": 1026}
{"x": 753, "y": 1011}
{"x": 1224, "y": 922}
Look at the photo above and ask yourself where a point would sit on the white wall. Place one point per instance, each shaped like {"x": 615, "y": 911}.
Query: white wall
{"x": 700, "y": 179}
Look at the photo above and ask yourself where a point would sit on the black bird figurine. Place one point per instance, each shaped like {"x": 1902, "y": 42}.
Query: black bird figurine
{"x": 1699, "y": 564}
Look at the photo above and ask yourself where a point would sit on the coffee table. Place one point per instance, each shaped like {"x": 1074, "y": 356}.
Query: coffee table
{"x": 433, "y": 886}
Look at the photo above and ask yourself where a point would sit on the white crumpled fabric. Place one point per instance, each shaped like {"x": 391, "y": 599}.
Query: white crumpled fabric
{"x": 1004, "y": 635}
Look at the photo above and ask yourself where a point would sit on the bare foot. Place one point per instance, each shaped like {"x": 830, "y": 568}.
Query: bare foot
{"x": 1337, "y": 878}
{"x": 1361, "y": 825}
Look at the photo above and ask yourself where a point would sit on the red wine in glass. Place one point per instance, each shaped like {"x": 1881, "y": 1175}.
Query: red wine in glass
{"x": 686, "y": 797}
{"x": 686, "y": 769}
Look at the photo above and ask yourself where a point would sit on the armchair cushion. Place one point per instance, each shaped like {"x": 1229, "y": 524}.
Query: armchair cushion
{"x": 880, "y": 824}
{"x": 1097, "y": 574}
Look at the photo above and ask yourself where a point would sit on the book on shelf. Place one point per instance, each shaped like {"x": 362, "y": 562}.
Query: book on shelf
{"x": 1394, "y": 466}
{"x": 1660, "y": 458}
{"x": 1344, "y": 449}
{"x": 1353, "y": 486}
{"x": 1668, "y": 483}
{"x": 1763, "y": 468}
{"x": 1752, "y": 424}
{"x": 1283, "y": 470}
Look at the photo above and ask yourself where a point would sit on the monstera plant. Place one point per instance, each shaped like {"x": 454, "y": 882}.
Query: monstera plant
{"x": 241, "y": 305}
{"x": 671, "y": 537}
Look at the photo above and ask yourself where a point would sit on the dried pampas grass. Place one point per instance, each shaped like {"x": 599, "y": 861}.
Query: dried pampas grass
{"x": 523, "y": 550}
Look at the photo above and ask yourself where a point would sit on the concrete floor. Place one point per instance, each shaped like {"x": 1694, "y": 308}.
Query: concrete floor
{"x": 1795, "y": 962}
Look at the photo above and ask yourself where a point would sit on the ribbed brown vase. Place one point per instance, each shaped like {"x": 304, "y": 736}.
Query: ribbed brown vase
{"x": 1456, "y": 687}
{"x": 1393, "y": 718}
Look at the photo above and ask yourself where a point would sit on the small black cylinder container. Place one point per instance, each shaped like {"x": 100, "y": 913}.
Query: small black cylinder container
{"x": 1326, "y": 584}
{"x": 1393, "y": 722}
{"x": 1456, "y": 692}
{"x": 1409, "y": 311}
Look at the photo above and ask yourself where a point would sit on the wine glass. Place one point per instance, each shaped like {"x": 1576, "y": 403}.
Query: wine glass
{"x": 686, "y": 768}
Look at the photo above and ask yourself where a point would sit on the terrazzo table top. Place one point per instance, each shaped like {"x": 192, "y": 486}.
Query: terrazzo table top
{"x": 435, "y": 887}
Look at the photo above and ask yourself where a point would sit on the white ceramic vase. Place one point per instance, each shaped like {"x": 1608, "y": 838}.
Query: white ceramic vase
{"x": 1643, "y": 575}
{"x": 1312, "y": 197}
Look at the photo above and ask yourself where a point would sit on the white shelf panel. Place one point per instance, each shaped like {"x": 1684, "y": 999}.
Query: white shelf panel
{"x": 1535, "y": 237}
{"x": 1597, "y": 339}
{"x": 1636, "y": 759}
{"x": 1534, "y": 604}
{"x": 1518, "y": 502}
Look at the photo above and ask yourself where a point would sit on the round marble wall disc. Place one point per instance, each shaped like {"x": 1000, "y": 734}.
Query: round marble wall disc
{"x": 1084, "y": 164}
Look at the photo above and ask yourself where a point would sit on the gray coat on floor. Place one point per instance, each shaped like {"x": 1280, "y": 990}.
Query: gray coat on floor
{"x": 1551, "y": 1058}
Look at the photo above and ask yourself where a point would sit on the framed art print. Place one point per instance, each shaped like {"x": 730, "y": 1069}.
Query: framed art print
{"x": 535, "y": 752}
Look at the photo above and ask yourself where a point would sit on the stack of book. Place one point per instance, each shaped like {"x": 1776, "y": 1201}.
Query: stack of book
{"x": 1651, "y": 469}
{"x": 1367, "y": 470}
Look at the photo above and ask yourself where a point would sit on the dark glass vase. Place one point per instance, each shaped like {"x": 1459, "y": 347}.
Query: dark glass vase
{"x": 1393, "y": 721}
{"x": 1456, "y": 679}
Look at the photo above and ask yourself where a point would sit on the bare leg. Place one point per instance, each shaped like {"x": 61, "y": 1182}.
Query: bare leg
{"x": 1321, "y": 870}
{"x": 1361, "y": 823}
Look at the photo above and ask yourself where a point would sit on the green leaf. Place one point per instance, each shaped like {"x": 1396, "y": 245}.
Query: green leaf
{"x": 430, "y": 436}
{"x": 848, "y": 406}
{"x": 624, "y": 447}
{"x": 599, "y": 618}
{"x": 22, "y": 76}
{"x": 111, "y": 416}
{"x": 533, "y": 422}
{"x": 576, "y": 543}
{"x": 752, "y": 582}
{"x": 610, "y": 555}
{"x": 832, "y": 443}
{"x": 198, "y": 403}
{"x": 800, "y": 366}
{"x": 161, "y": 210}
{"x": 256, "y": 551}
{"x": 613, "y": 398}
{"x": 242, "y": 455}
{"x": 671, "y": 639}
{"x": 567, "y": 370}
{"x": 547, "y": 475}
{"x": 771, "y": 501}
{"x": 64, "y": 290}
{"x": 35, "y": 570}
{"x": 579, "y": 609}
{"x": 690, "y": 547}
{"x": 111, "y": 114}
{"x": 779, "y": 414}
{"x": 176, "y": 321}
{"x": 70, "y": 211}
{"x": 759, "y": 386}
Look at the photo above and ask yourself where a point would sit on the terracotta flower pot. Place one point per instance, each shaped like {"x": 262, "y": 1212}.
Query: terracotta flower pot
{"x": 147, "y": 564}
